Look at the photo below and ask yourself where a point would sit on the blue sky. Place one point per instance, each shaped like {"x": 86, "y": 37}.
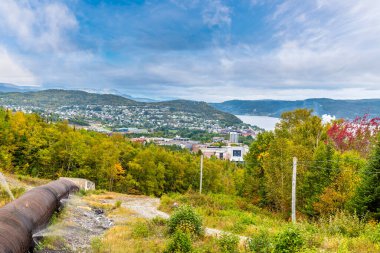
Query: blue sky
{"x": 210, "y": 50}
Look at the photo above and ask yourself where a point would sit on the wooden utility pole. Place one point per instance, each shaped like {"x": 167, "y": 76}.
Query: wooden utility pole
{"x": 201, "y": 175}
{"x": 294, "y": 184}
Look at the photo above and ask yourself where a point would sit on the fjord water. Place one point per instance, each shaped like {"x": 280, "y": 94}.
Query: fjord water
{"x": 266, "y": 122}
{"x": 4, "y": 184}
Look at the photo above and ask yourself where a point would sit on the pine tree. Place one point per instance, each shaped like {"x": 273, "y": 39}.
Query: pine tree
{"x": 367, "y": 197}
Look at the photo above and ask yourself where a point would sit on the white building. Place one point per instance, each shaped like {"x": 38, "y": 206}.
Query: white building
{"x": 234, "y": 137}
{"x": 232, "y": 153}
{"x": 236, "y": 154}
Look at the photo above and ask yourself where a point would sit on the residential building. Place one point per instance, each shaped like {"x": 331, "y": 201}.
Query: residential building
{"x": 234, "y": 137}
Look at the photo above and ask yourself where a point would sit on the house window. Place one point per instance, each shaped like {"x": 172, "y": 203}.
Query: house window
{"x": 236, "y": 153}
{"x": 220, "y": 155}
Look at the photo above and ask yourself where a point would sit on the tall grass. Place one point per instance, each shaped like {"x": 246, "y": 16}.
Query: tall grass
{"x": 341, "y": 232}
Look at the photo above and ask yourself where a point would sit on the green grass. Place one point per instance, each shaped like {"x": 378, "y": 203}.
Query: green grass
{"x": 226, "y": 212}
{"x": 342, "y": 232}
{"x": 5, "y": 198}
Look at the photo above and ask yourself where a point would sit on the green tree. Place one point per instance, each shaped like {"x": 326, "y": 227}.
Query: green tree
{"x": 254, "y": 176}
{"x": 367, "y": 197}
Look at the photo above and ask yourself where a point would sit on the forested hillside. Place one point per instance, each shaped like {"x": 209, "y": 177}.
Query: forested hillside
{"x": 332, "y": 165}
{"x": 30, "y": 146}
{"x": 339, "y": 108}
{"x": 59, "y": 101}
{"x": 338, "y": 163}
{"x": 56, "y": 98}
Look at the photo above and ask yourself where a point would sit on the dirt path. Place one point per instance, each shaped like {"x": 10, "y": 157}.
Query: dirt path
{"x": 80, "y": 222}
{"x": 147, "y": 207}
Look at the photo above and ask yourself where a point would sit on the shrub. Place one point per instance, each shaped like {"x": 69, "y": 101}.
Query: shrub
{"x": 18, "y": 191}
{"x": 288, "y": 241}
{"x": 82, "y": 192}
{"x": 140, "y": 230}
{"x": 228, "y": 243}
{"x": 186, "y": 220}
{"x": 159, "y": 221}
{"x": 373, "y": 233}
{"x": 239, "y": 227}
{"x": 118, "y": 204}
{"x": 96, "y": 244}
{"x": 343, "y": 223}
{"x": 180, "y": 243}
{"x": 260, "y": 243}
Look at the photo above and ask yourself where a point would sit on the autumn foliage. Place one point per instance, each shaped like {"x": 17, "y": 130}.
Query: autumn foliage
{"x": 332, "y": 168}
{"x": 357, "y": 134}
{"x": 331, "y": 161}
{"x": 31, "y": 146}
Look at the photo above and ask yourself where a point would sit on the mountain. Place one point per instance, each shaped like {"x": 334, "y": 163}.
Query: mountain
{"x": 202, "y": 108}
{"x": 274, "y": 108}
{"x": 6, "y": 87}
{"x": 116, "y": 92}
{"x": 57, "y": 98}
{"x": 106, "y": 107}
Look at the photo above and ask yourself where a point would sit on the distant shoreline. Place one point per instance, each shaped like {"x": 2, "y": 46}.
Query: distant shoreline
{"x": 265, "y": 122}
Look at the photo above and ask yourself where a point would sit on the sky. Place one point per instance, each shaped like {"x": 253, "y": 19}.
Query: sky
{"x": 210, "y": 50}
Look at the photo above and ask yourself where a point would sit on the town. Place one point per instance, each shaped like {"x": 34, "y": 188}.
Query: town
{"x": 141, "y": 123}
{"x": 112, "y": 117}
{"x": 219, "y": 148}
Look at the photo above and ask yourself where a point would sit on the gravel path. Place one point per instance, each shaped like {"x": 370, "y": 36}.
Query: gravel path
{"x": 81, "y": 223}
{"x": 147, "y": 207}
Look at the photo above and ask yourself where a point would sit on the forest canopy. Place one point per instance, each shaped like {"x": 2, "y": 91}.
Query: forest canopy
{"x": 338, "y": 163}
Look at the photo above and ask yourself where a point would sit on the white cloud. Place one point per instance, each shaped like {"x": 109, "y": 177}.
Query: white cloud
{"x": 11, "y": 71}
{"x": 37, "y": 25}
{"x": 320, "y": 48}
{"x": 39, "y": 30}
{"x": 215, "y": 13}
{"x": 325, "y": 49}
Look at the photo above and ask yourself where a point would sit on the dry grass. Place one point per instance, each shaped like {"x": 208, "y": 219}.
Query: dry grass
{"x": 128, "y": 236}
{"x": 343, "y": 233}
{"x": 18, "y": 185}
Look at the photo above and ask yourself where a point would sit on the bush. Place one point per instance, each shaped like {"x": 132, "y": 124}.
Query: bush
{"x": 159, "y": 221}
{"x": 96, "y": 244}
{"x": 141, "y": 230}
{"x": 180, "y": 243}
{"x": 228, "y": 243}
{"x": 288, "y": 241}
{"x": 238, "y": 227}
{"x": 373, "y": 233}
{"x": 186, "y": 220}
{"x": 260, "y": 243}
{"x": 118, "y": 204}
{"x": 83, "y": 192}
{"x": 18, "y": 191}
{"x": 343, "y": 223}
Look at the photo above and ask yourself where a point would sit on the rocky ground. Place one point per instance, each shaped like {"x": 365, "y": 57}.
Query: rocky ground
{"x": 77, "y": 226}
{"x": 81, "y": 221}
{"x": 147, "y": 207}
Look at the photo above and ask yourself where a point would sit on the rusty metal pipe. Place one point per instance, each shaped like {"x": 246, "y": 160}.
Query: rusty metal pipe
{"x": 29, "y": 214}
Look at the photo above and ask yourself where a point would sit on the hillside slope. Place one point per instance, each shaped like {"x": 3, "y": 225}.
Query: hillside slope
{"x": 339, "y": 108}
{"x": 53, "y": 101}
{"x": 201, "y": 108}
{"x": 56, "y": 98}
